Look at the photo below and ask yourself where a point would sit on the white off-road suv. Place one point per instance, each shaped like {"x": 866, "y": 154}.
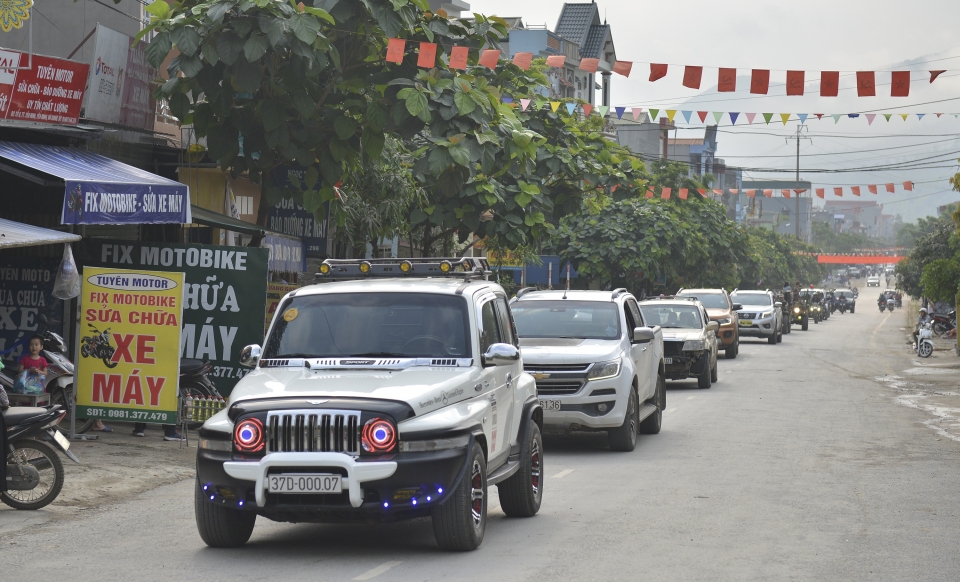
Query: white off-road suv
{"x": 397, "y": 394}
{"x": 597, "y": 364}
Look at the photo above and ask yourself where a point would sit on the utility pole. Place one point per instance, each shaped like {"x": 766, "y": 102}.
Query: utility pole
{"x": 799, "y": 136}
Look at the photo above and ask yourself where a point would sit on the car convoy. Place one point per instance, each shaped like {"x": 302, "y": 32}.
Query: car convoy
{"x": 402, "y": 388}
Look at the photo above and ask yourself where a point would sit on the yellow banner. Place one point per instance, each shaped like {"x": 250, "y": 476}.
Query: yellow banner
{"x": 275, "y": 292}
{"x": 507, "y": 259}
{"x": 129, "y": 362}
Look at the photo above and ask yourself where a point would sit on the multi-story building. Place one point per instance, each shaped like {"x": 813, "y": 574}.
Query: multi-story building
{"x": 778, "y": 213}
{"x": 451, "y": 7}
{"x": 858, "y": 216}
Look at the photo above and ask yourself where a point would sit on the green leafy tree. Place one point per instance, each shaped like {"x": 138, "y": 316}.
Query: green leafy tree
{"x": 941, "y": 243}
{"x": 940, "y": 279}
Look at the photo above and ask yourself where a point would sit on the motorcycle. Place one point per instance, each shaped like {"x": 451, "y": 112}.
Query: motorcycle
{"x": 883, "y": 305}
{"x": 98, "y": 346}
{"x": 924, "y": 343}
{"x": 943, "y": 324}
{"x": 33, "y": 468}
{"x": 842, "y": 305}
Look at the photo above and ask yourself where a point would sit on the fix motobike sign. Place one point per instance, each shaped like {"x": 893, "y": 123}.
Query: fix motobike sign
{"x": 224, "y": 296}
{"x": 130, "y": 328}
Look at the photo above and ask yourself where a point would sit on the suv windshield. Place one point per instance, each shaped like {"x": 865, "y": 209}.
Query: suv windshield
{"x": 371, "y": 324}
{"x": 567, "y": 319}
{"x": 672, "y": 316}
{"x": 709, "y": 300}
{"x": 752, "y": 298}
{"x": 847, "y": 294}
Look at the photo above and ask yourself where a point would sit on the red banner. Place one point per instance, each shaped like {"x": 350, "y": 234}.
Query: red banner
{"x": 51, "y": 91}
{"x": 858, "y": 259}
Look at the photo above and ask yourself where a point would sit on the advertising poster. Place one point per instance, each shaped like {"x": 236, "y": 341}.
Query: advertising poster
{"x": 119, "y": 90}
{"x": 224, "y": 296}
{"x": 129, "y": 323}
{"x": 275, "y": 292}
{"x": 26, "y": 293}
{"x": 50, "y": 92}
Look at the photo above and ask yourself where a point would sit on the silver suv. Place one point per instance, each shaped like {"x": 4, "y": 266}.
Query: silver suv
{"x": 597, "y": 364}
{"x": 760, "y": 314}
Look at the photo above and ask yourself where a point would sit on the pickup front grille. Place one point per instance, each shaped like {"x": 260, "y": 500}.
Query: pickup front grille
{"x": 558, "y": 388}
{"x": 309, "y": 431}
{"x": 672, "y": 348}
{"x": 531, "y": 368}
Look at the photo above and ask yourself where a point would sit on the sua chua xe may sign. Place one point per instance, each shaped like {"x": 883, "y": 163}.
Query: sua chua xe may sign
{"x": 129, "y": 348}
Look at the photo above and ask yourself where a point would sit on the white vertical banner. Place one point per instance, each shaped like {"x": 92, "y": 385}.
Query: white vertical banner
{"x": 107, "y": 71}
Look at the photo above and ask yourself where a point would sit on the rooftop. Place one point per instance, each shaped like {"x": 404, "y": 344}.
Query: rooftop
{"x": 593, "y": 46}
{"x": 575, "y": 21}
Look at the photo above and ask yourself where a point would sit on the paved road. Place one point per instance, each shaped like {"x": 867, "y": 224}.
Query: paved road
{"x": 798, "y": 465}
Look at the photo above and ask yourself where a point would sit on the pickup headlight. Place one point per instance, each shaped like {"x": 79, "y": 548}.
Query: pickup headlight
{"x": 692, "y": 345}
{"x": 766, "y": 314}
{"x": 604, "y": 370}
{"x": 725, "y": 321}
{"x": 434, "y": 444}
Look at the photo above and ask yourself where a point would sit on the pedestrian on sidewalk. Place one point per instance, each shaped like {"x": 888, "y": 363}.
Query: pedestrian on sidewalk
{"x": 169, "y": 431}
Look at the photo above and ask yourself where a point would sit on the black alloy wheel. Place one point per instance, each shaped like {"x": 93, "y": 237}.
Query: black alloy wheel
{"x": 460, "y": 522}
{"x": 521, "y": 494}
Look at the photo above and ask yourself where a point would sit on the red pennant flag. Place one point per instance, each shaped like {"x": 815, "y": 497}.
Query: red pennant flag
{"x": 395, "y": 48}
{"x": 623, "y": 68}
{"x": 750, "y": 193}
{"x": 649, "y": 192}
{"x": 935, "y": 74}
{"x": 691, "y": 77}
{"x": 734, "y": 191}
{"x": 795, "y": 82}
{"x": 556, "y": 61}
{"x": 589, "y": 65}
{"x": 489, "y": 58}
{"x": 702, "y": 115}
{"x": 458, "y": 57}
{"x": 760, "y": 81}
{"x": 829, "y": 84}
{"x": 768, "y": 192}
{"x": 587, "y": 109}
{"x": 727, "y": 81}
{"x": 702, "y": 191}
{"x": 522, "y": 60}
{"x": 820, "y": 192}
{"x": 799, "y": 192}
{"x": 855, "y": 190}
{"x": 889, "y": 187}
{"x": 718, "y": 192}
{"x": 838, "y": 191}
{"x": 428, "y": 55}
{"x": 908, "y": 186}
{"x": 866, "y": 84}
{"x": 872, "y": 188}
{"x": 657, "y": 72}
{"x": 785, "y": 193}
{"x": 665, "y": 193}
{"x": 900, "y": 84}
{"x": 820, "y": 115}
{"x": 682, "y": 193}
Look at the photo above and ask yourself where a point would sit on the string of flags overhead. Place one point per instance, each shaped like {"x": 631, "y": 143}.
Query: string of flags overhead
{"x": 682, "y": 193}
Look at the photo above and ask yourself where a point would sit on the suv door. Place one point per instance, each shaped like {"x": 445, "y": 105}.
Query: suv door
{"x": 498, "y": 381}
{"x": 516, "y": 396}
{"x": 641, "y": 354}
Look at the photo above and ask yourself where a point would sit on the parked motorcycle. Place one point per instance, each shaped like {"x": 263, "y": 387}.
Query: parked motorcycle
{"x": 924, "y": 343}
{"x": 98, "y": 346}
{"x": 943, "y": 324}
{"x": 34, "y": 471}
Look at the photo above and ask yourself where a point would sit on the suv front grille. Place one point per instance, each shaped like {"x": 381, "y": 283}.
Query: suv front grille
{"x": 555, "y": 367}
{"x": 558, "y": 388}
{"x": 301, "y": 431}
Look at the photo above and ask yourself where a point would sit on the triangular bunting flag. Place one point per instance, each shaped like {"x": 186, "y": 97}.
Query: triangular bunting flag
{"x": 908, "y": 186}
{"x": 870, "y": 118}
{"x": 524, "y": 103}
{"x": 554, "y": 105}
{"x": 702, "y": 192}
{"x": 602, "y": 110}
{"x": 508, "y": 100}
{"x": 800, "y": 191}
{"x": 836, "y": 117}
{"x": 682, "y": 193}
{"x": 855, "y": 190}
{"x": 938, "y": 115}
{"x": 887, "y": 115}
{"x": 750, "y": 117}
{"x": 767, "y": 117}
{"x": 735, "y": 191}
{"x": 653, "y": 115}
{"x": 920, "y": 115}
{"x": 686, "y": 115}
{"x": 768, "y": 193}
{"x": 571, "y": 107}
{"x": 587, "y": 109}
{"x": 718, "y": 115}
{"x": 636, "y": 112}
{"x": 889, "y": 187}
{"x": 803, "y": 117}
{"x": 718, "y": 192}
{"x": 671, "y": 113}
{"x": 702, "y": 115}
{"x": 819, "y": 116}
{"x": 665, "y": 193}
{"x": 872, "y": 188}
{"x": 733, "y": 117}
{"x": 750, "y": 193}
{"x": 785, "y": 117}
{"x": 820, "y": 192}
{"x": 935, "y": 74}
{"x": 904, "y": 116}
{"x": 619, "y": 111}
{"x": 785, "y": 193}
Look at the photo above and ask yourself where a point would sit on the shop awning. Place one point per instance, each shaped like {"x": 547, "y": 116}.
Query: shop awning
{"x": 17, "y": 234}
{"x": 217, "y": 220}
{"x": 99, "y": 190}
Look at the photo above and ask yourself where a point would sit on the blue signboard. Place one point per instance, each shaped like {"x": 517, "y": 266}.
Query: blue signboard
{"x": 291, "y": 219}
{"x": 26, "y": 293}
{"x": 539, "y": 274}
{"x": 286, "y": 254}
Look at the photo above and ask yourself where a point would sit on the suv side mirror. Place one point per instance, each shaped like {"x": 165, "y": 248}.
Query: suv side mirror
{"x": 713, "y": 326}
{"x": 736, "y": 307}
{"x": 643, "y": 335}
{"x": 250, "y": 356}
{"x": 500, "y": 355}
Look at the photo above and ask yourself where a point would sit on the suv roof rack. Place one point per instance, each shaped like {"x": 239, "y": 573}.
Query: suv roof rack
{"x": 467, "y": 268}
{"x": 524, "y": 291}
{"x": 617, "y": 293}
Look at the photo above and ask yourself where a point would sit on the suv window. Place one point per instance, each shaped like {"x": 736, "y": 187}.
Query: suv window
{"x": 489, "y": 327}
{"x": 567, "y": 319}
{"x": 635, "y": 312}
{"x": 509, "y": 333}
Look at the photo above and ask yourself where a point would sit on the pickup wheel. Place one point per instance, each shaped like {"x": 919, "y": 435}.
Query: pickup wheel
{"x": 652, "y": 423}
{"x": 731, "y": 352}
{"x": 713, "y": 372}
{"x": 459, "y": 522}
{"x": 624, "y": 437}
{"x": 704, "y": 379}
{"x": 521, "y": 494}
{"x": 773, "y": 338}
{"x": 219, "y": 526}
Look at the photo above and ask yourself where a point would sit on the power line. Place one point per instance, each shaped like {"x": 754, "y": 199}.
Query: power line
{"x": 806, "y": 155}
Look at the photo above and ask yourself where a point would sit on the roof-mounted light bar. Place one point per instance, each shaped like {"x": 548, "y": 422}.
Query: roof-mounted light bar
{"x": 458, "y": 267}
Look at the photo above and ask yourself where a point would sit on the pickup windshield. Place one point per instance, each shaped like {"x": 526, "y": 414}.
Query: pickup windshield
{"x": 752, "y": 299}
{"x": 566, "y": 319}
{"x": 357, "y": 324}
{"x": 709, "y": 300}
{"x": 672, "y": 316}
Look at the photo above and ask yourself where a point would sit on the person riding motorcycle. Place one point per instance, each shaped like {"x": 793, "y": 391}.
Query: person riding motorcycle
{"x": 923, "y": 319}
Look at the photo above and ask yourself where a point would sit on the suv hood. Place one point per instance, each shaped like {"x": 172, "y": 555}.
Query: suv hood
{"x": 682, "y": 334}
{"x": 568, "y": 351}
{"x": 424, "y": 388}
{"x": 713, "y": 313}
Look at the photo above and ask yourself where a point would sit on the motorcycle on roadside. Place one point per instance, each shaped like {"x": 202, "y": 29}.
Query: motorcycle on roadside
{"x": 943, "y": 324}
{"x": 34, "y": 473}
{"x": 924, "y": 344}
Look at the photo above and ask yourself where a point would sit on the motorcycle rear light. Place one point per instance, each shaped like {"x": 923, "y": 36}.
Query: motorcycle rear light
{"x": 248, "y": 436}
{"x": 379, "y": 436}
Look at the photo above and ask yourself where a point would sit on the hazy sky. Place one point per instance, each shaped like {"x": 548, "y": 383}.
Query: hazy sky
{"x": 814, "y": 35}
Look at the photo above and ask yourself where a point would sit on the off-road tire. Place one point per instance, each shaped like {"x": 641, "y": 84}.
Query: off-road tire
{"x": 772, "y": 340}
{"x": 652, "y": 423}
{"x": 731, "y": 352}
{"x": 521, "y": 494}
{"x": 220, "y": 526}
{"x": 55, "y": 488}
{"x": 703, "y": 380}
{"x": 624, "y": 437}
{"x": 805, "y": 325}
{"x": 714, "y": 372}
{"x": 454, "y": 525}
